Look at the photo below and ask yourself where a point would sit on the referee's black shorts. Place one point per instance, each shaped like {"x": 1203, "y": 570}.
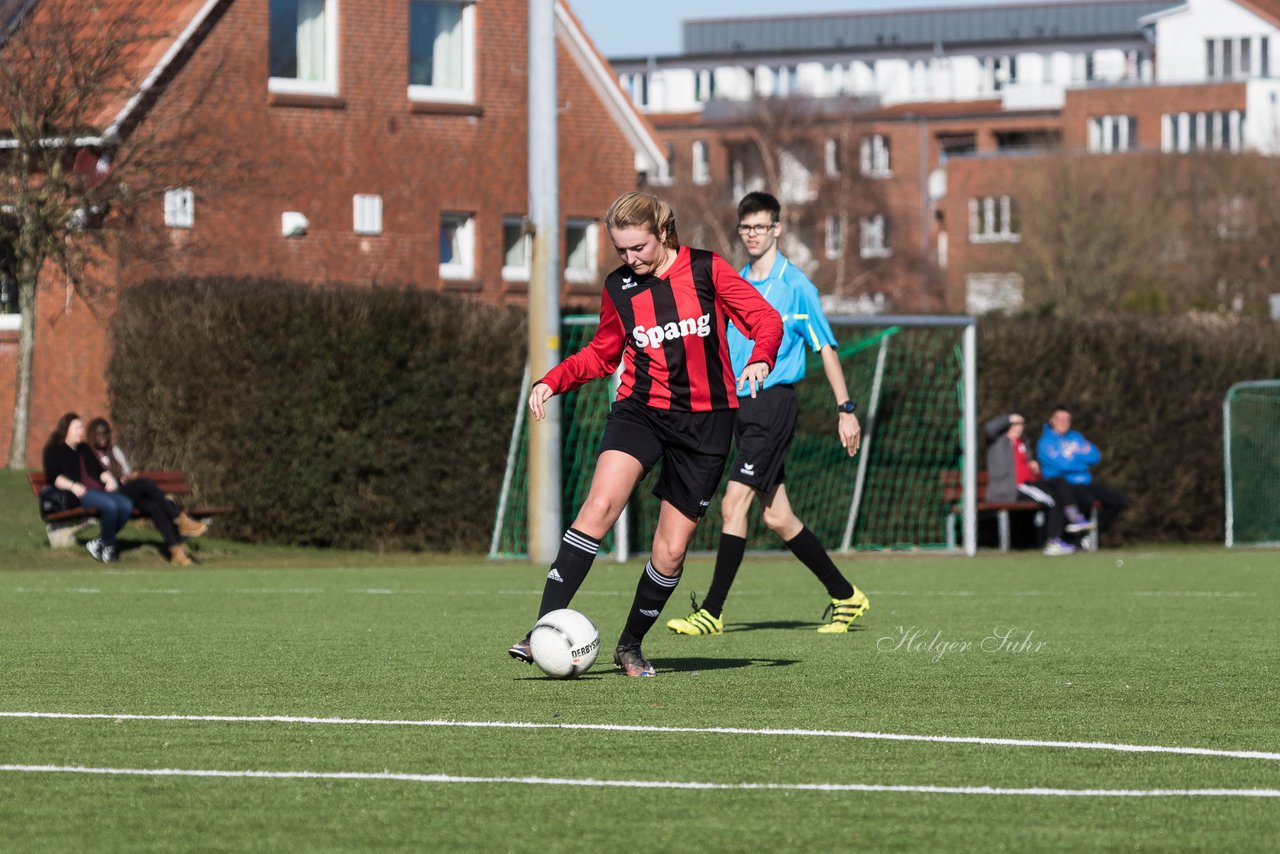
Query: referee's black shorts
{"x": 764, "y": 429}
{"x": 693, "y": 447}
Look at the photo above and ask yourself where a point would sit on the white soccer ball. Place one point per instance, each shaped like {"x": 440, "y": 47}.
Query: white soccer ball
{"x": 564, "y": 643}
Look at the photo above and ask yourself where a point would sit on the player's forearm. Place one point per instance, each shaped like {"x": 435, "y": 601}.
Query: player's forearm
{"x": 835, "y": 374}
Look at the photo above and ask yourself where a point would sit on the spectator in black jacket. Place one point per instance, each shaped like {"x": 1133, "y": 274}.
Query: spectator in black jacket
{"x": 71, "y": 466}
{"x": 172, "y": 523}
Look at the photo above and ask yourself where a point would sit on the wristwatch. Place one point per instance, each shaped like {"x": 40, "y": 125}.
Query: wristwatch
{"x": 847, "y": 406}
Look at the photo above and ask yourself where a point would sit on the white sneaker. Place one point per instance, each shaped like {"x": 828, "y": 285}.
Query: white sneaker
{"x": 1077, "y": 523}
{"x": 1056, "y": 548}
{"x": 94, "y": 547}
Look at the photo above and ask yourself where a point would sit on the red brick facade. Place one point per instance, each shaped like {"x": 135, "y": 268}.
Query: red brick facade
{"x": 312, "y": 154}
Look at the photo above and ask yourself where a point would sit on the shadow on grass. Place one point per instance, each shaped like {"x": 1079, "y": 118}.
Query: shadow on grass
{"x": 689, "y": 665}
{"x": 783, "y": 625}
{"x": 604, "y": 670}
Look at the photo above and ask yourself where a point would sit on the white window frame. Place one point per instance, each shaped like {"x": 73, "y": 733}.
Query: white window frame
{"x": 1108, "y": 134}
{"x": 704, "y": 85}
{"x": 986, "y": 293}
{"x": 464, "y": 268}
{"x": 591, "y": 273}
{"x": 990, "y": 220}
{"x": 467, "y": 93}
{"x": 873, "y": 237}
{"x": 1215, "y": 130}
{"x": 831, "y": 157}
{"x": 512, "y": 273}
{"x": 180, "y": 207}
{"x": 875, "y": 156}
{"x": 366, "y": 213}
{"x": 701, "y": 163}
{"x": 11, "y": 321}
{"x": 834, "y": 238}
{"x": 327, "y": 86}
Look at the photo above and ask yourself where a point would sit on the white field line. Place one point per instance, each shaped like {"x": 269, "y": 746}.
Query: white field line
{"x": 802, "y": 733}
{"x": 387, "y": 591}
{"x": 644, "y": 784}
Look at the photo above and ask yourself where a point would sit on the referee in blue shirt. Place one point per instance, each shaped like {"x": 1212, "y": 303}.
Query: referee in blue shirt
{"x": 766, "y": 425}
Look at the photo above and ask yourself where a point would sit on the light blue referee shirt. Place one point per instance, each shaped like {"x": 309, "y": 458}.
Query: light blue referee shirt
{"x": 794, "y": 297}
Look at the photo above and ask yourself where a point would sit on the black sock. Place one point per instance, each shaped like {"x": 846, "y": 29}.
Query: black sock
{"x": 572, "y": 563}
{"x": 806, "y": 547}
{"x": 652, "y": 593}
{"x": 728, "y": 559}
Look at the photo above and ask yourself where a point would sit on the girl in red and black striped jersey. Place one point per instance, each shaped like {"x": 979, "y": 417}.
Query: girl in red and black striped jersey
{"x": 662, "y": 317}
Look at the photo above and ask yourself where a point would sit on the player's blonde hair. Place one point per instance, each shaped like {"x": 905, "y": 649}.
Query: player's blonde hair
{"x": 644, "y": 210}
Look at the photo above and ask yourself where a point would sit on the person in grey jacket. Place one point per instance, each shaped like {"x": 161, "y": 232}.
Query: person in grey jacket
{"x": 1014, "y": 475}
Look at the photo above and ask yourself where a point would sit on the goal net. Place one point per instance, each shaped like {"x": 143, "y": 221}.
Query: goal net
{"x": 1251, "y": 451}
{"x": 909, "y": 379}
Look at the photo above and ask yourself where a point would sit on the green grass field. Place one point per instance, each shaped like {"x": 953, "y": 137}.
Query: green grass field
{"x": 398, "y": 666}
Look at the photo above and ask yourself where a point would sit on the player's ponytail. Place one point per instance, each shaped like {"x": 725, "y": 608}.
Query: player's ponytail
{"x": 644, "y": 210}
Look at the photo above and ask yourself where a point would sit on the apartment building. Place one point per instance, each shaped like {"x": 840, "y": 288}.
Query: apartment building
{"x": 944, "y": 112}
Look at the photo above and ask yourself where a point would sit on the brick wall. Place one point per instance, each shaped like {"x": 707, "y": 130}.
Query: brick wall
{"x": 273, "y": 154}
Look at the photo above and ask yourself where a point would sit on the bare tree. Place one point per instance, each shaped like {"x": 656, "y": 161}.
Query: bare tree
{"x": 79, "y": 153}
{"x": 1148, "y": 232}
{"x": 1095, "y": 232}
{"x": 806, "y": 152}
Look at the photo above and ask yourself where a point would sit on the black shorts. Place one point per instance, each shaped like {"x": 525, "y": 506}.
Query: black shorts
{"x": 764, "y": 429}
{"x": 693, "y": 447}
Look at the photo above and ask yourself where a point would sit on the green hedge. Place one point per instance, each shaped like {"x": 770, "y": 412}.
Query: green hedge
{"x": 379, "y": 418}
{"x": 1148, "y": 391}
{"x": 333, "y": 416}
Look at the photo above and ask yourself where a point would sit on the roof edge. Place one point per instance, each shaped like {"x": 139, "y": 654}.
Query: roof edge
{"x": 599, "y": 74}
{"x": 179, "y": 44}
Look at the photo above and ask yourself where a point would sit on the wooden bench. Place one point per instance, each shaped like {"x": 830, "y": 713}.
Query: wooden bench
{"x": 63, "y": 526}
{"x": 953, "y": 495}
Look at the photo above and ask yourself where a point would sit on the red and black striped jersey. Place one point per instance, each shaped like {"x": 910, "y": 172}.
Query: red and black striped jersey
{"x": 669, "y": 335}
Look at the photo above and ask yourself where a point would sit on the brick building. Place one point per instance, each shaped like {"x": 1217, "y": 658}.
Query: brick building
{"x": 945, "y": 113}
{"x": 381, "y": 142}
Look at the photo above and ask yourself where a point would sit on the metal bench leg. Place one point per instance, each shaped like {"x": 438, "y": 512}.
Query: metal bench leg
{"x": 1002, "y": 522}
{"x": 1090, "y": 540}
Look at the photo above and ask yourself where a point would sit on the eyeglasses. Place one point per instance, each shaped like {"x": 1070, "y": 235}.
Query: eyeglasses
{"x": 755, "y": 230}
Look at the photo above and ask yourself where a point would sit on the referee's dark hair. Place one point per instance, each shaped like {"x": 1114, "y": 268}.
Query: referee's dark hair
{"x": 644, "y": 210}
{"x": 757, "y": 202}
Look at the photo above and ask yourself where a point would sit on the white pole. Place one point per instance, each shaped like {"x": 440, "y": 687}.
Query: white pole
{"x": 622, "y": 542}
{"x": 1226, "y": 462}
{"x": 545, "y": 492}
{"x": 969, "y": 439}
{"x": 512, "y": 449}
{"x": 864, "y": 451}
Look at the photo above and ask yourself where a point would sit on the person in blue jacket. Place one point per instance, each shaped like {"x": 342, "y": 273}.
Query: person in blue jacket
{"x": 1065, "y": 453}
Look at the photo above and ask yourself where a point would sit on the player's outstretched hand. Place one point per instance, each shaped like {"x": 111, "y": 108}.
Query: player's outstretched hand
{"x": 850, "y": 432}
{"x": 753, "y": 377}
{"x": 538, "y": 398}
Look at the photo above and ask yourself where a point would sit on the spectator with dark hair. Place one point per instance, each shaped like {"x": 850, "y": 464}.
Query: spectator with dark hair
{"x": 766, "y": 424}
{"x": 69, "y": 466}
{"x": 1065, "y": 453}
{"x": 172, "y": 523}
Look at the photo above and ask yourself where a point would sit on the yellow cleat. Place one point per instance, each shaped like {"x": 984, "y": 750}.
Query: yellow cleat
{"x": 844, "y": 611}
{"x": 700, "y": 622}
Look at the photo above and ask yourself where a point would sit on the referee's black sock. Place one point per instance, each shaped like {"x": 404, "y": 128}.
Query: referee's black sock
{"x": 573, "y": 562}
{"x": 728, "y": 559}
{"x": 652, "y": 593}
{"x": 806, "y": 547}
